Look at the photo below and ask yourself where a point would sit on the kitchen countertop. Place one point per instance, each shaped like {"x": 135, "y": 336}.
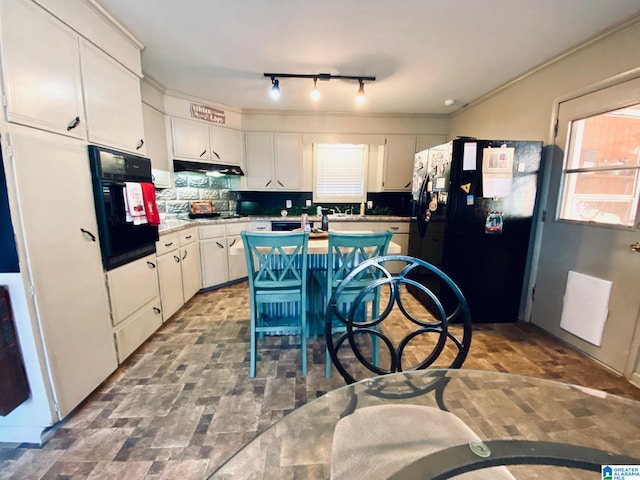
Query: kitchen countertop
{"x": 176, "y": 224}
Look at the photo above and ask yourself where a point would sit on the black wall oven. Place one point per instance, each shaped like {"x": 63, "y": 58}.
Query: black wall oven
{"x": 121, "y": 242}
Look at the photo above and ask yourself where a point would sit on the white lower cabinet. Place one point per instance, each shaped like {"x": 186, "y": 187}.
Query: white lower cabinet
{"x": 218, "y": 266}
{"x": 237, "y": 263}
{"x": 178, "y": 269}
{"x": 135, "y": 304}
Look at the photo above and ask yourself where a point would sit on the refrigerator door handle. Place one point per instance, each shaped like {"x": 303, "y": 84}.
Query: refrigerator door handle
{"x": 422, "y": 224}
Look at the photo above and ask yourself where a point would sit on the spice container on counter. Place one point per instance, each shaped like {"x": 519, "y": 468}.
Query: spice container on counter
{"x": 304, "y": 220}
{"x": 325, "y": 220}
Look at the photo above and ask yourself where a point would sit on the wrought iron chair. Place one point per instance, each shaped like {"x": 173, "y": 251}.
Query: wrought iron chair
{"x": 345, "y": 252}
{"x": 435, "y": 331}
{"x": 277, "y": 272}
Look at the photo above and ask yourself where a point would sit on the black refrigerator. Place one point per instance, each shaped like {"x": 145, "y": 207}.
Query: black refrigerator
{"x": 473, "y": 207}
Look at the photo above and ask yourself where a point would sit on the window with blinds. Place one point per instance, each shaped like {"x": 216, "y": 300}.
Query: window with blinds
{"x": 340, "y": 173}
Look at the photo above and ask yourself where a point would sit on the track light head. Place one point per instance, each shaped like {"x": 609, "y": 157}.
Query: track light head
{"x": 360, "y": 98}
{"x": 275, "y": 88}
{"x": 315, "y": 93}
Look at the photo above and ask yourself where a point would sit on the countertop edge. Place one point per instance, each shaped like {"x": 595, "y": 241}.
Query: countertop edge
{"x": 175, "y": 225}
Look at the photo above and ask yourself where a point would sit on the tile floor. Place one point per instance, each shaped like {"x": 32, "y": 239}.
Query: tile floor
{"x": 183, "y": 403}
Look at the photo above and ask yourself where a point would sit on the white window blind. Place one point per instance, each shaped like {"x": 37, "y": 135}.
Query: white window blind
{"x": 340, "y": 171}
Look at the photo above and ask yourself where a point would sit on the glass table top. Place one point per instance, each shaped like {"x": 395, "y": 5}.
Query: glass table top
{"x": 380, "y": 427}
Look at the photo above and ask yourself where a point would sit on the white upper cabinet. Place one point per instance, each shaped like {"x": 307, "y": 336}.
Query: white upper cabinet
{"x": 207, "y": 143}
{"x": 190, "y": 139}
{"x": 398, "y": 163}
{"x": 226, "y": 145}
{"x": 288, "y": 161}
{"x": 155, "y": 134}
{"x": 41, "y": 70}
{"x": 274, "y": 161}
{"x": 259, "y": 156}
{"x": 112, "y": 100}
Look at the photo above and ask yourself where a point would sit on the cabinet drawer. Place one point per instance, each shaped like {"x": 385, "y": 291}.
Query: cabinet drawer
{"x": 137, "y": 328}
{"x": 395, "y": 227}
{"x": 188, "y": 236}
{"x": 212, "y": 231}
{"x": 131, "y": 286}
{"x": 167, "y": 242}
{"x": 261, "y": 226}
{"x": 236, "y": 228}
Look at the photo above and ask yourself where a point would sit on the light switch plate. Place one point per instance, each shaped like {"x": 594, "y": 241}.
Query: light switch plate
{"x": 307, "y": 203}
{"x": 288, "y": 203}
{"x": 370, "y": 204}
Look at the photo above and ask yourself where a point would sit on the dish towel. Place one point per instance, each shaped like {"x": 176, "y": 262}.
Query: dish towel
{"x": 150, "y": 206}
{"x": 134, "y": 203}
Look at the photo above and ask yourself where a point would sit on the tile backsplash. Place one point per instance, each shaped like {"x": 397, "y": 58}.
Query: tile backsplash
{"x": 197, "y": 186}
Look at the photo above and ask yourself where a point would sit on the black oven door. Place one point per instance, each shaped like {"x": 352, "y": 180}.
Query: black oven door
{"x": 121, "y": 241}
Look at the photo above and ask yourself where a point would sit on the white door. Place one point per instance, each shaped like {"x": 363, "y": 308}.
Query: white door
{"x": 288, "y": 160}
{"x": 191, "y": 274}
{"x": 41, "y": 70}
{"x": 190, "y": 139}
{"x": 113, "y": 101}
{"x": 591, "y": 222}
{"x": 259, "y": 155}
{"x": 60, "y": 230}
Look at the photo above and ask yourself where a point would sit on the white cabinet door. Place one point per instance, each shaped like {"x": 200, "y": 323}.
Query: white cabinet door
{"x": 170, "y": 277}
{"x": 215, "y": 268}
{"x": 41, "y": 70}
{"x": 155, "y": 134}
{"x": 237, "y": 263}
{"x": 112, "y": 100}
{"x": 191, "y": 275}
{"x": 260, "y": 160}
{"x": 398, "y": 162}
{"x": 133, "y": 332}
{"x": 64, "y": 263}
{"x": 131, "y": 286}
{"x": 288, "y": 161}
{"x": 226, "y": 145}
{"x": 190, "y": 139}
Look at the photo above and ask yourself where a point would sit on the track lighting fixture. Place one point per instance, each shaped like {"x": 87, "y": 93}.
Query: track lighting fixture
{"x": 275, "y": 88}
{"x": 315, "y": 93}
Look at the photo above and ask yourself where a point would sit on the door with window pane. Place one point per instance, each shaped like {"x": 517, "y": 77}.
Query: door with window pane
{"x": 587, "y": 288}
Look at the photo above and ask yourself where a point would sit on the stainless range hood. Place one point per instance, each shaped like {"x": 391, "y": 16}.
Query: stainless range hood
{"x": 213, "y": 169}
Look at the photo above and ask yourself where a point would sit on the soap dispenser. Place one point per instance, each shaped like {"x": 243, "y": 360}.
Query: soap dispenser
{"x": 362, "y": 209}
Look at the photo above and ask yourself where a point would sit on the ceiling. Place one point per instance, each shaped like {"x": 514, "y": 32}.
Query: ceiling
{"x": 421, "y": 52}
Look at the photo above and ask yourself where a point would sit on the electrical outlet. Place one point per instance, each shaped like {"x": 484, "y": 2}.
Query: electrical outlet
{"x": 307, "y": 203}
{"x": 370, "y": 204}
{"x": 288, "y": 203}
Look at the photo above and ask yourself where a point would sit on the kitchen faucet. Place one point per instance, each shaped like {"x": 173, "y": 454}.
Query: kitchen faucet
{"x": 335, "y": 210}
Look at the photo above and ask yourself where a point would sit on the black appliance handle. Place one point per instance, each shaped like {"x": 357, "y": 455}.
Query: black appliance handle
{"x": 420, "y": 212}
{"x": 88, "y": 234}
{"x": 140, "y": 144}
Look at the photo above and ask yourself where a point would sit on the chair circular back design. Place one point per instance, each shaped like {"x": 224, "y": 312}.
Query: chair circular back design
{"x": 436, "y": 320}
